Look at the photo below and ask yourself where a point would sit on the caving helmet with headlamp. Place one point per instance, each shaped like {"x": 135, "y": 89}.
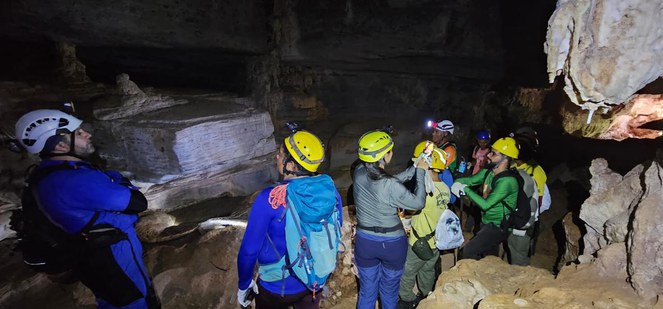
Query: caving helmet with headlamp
{"x": 483, "y": 135}
{"x": 444, "y": 126}
{"x": 35, "y": 127}
{"x": 437, "y": 155}
{"x": 305, "y": 148}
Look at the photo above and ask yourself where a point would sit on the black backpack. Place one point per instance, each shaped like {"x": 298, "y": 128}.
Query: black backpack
{"x": 527, "y": 203}
{"x": 45, "y": 246}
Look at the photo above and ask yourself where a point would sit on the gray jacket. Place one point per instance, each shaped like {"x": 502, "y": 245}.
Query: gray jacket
{"x": 377, "y": 200}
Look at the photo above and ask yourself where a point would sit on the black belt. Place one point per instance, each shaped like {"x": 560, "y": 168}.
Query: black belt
{"x": 379, "y": 229}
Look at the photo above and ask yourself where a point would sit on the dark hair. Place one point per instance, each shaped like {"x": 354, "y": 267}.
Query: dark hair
{"x": 374, "y": 171}
{"x": 299, "y": 170}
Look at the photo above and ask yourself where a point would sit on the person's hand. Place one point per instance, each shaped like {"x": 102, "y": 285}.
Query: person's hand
{"x": 243, "y": 296}
{"x": 423, "y": 164}
{"x": 458, "y": 189}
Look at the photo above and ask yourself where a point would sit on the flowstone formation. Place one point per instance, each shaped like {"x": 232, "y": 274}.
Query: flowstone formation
{"x": 607, "y": 50}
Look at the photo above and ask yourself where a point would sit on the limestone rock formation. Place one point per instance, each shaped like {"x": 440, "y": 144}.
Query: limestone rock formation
{"x": 611, "y": 196}
{"x": 606, "y": 49}
{"x": 192, "y": 152}
{"x": 645, "y": 245}
{"x": 491, "y": 283}
{"x": 641, "y": 109}
{"x": 573, "y": 238}
{"x": 471, "y": 281}
{"x": 622, "y": 219}
{"x": 132, "y": 101}
{"x": 229, "y": 25}
{"x": 69, "y": 69}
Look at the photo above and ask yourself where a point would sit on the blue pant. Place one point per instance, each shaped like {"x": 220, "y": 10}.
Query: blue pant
{"x": 380, "y": 261}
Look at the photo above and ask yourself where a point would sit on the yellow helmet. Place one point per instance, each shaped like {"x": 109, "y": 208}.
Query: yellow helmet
{"x": 507, "y": 146}
{"x": 374, "y": 145}
{"x": 306, "y": 149}
{"x": 438, "y": 156}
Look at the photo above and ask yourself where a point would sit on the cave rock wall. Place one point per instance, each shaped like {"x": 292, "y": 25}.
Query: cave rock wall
{"x": 606, "y": 49}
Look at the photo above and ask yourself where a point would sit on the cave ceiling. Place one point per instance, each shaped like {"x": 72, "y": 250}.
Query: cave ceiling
{"x": 447, "y": 39}
{"x": 605, "y": 51}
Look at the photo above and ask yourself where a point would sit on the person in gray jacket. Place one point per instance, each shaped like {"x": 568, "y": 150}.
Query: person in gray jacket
{"x": 380, "y": 244}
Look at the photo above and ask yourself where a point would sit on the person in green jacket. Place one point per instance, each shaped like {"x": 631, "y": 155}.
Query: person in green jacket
{"x": 424, "y": 223}
{"x": 494, "y": 202}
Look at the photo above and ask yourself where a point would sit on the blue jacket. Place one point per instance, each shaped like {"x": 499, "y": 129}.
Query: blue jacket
{"x": 71, "y": 197}
{"x": 255, "y": 247}
{"x": 448, "y": 180}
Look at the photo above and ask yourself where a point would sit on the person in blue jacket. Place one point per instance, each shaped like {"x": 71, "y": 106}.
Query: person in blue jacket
{"x": 264, "y": 239}
{"x": 84, "y": 200}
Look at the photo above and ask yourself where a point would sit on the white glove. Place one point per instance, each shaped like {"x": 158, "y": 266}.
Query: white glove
{"x": 458, "y": 189}
{"x": 243, "y": 295}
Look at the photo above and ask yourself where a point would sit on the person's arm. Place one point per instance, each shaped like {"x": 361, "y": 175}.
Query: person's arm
{"x": 97, "y": 191}
{"x": 401, "y": 197}
{"x": 540, "y": 178}
{"x": 254, "y": 236}
{"x": 448, "y": 179}
{"x": 137, "y": 203}
{"x": 503, "y": 187}
{"x": 475, "y": 179}
{"x": 406, "y": 174}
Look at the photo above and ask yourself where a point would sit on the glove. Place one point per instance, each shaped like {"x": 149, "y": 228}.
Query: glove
{"x": 245, "y": 297}
{"x": 458, "y": 189}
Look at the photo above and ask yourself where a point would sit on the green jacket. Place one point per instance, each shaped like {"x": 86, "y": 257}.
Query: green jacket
{"x": 492, "y": 208}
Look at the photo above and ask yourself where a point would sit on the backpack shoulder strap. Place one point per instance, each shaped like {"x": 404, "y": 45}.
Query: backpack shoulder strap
{"x": 35, "y": 174}
{"x": 506, "y": 173}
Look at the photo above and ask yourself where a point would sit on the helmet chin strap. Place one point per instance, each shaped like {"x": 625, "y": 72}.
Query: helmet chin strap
{"x": 71, "y": 152}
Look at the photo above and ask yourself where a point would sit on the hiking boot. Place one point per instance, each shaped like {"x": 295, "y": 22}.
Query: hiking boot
{"x": 402, "y": 304}
{"x": 418, "y": 299}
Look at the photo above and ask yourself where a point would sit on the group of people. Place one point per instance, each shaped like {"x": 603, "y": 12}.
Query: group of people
{"x": 83, "y": 200}
{"x": 390, "y": 259}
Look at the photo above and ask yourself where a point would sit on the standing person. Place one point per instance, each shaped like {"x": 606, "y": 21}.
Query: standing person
{"x": 521, "y": 242}
{"x": 423, "y": 223}
{"x": 297, "y": 159}
{"x": 480, "y": 156}
{"x": 88, "y": 203}
{"x": 441, "y": 136}
{"x": 380, "y": 243}
{"x": 497, "y": 198}
{"x": 480, "y": 151}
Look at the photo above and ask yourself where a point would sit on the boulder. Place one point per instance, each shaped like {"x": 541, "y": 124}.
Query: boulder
{"x": 573, "y": 236}
{"x": 210, "y": 147}
{"x": 644, "y": 244}
{"x": 611, "y": 196}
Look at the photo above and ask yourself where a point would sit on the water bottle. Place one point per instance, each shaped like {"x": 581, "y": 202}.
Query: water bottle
{"x": 462, "y": 166}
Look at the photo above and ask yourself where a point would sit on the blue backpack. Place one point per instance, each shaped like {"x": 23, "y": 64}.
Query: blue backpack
{"x": 312, "y": 232}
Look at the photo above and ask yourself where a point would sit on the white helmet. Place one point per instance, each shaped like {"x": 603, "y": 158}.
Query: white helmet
{"x": 35, "y": 127}
{"x": 445, "y": 125}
